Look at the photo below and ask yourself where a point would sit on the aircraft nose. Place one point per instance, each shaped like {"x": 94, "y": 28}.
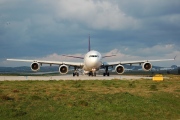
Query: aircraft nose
{"x": 95, "y": 62}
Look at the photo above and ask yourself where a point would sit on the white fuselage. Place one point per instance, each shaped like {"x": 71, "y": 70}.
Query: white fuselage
{"x": 92, "y": 61}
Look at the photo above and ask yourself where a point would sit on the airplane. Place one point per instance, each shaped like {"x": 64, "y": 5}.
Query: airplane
{"x": 129, "y": 69}
{"x": 173, "y": 67}
{"x": 167, "y": 68}
{"x": 91, "y": 64}
{"x": 152, "y": 69}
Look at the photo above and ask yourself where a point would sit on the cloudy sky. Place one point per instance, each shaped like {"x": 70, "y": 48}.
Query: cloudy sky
{"x": 131, "y": 29}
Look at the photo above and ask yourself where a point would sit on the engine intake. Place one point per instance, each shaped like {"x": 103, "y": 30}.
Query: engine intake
{"x": 35, "y": 66}
{"x": 63, "y": 69}
{"x": 119, "y": 69}
{"x": 146, "y": 66}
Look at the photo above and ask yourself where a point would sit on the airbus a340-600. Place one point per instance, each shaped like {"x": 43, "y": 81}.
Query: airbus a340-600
{"x": 92, "y": 63}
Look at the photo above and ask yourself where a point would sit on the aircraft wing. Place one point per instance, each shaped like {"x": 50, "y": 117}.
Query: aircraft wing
{"x": 77, "y": 64}
{"x": 133, "y": 62}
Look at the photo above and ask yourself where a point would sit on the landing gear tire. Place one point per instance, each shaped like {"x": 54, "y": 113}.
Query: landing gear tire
{"x": 104, "y": 74}
{"x": 89, "y": 74}
{"x": 75, "y": 74}
{"x": 92, "y": 74}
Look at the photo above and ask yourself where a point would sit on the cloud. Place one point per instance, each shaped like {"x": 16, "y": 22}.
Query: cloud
{"x": 156, "y": 50}
{"x": 168, "y": 51}
{"x": 149, "y": 8}
{"x": 56, "y": 57}
{"x": 40, "y": 28}
{"x": 95, "y": 14}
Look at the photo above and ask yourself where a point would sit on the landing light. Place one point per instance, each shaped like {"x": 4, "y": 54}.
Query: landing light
{"x": 93, "y": 69}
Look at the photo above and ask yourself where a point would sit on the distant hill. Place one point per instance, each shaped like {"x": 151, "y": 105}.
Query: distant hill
{"x": 27, "y": 69}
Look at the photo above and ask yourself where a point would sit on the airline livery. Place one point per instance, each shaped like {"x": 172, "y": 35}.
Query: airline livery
{"x": 92, "y": 63}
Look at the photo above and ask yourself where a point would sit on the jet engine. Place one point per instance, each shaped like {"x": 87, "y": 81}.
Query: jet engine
{"x": 146, "y": 66}
{"x": 63, "y": 69}
{"x": 119, "y": 69}
{"x": 35, "y": 66}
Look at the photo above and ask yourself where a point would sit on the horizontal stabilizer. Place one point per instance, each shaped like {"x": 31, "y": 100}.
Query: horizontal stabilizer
{"x": 108, "y": 56}
{"x": 73, "y": 56}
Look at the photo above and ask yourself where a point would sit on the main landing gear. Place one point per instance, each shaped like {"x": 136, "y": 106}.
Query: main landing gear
{"x": 75, "y": 73}
{"x": 106, "y": 72}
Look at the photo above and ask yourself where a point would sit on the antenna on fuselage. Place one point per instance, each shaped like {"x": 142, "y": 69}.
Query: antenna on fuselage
{"x": 89, "y": 46}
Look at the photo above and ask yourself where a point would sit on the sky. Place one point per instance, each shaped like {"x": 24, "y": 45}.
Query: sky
{"x": 131, "y": 29}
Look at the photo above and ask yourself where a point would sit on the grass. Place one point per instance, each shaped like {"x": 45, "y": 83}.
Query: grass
{"x": 107, "y": 100}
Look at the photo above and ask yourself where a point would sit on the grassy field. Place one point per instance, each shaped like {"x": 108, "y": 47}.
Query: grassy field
{"x": 87, "y": 100}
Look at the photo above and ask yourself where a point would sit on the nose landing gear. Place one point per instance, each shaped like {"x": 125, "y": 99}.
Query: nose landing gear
{"x": 92, "y": 73}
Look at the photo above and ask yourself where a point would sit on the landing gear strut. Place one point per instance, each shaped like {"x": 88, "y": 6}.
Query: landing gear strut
{"x": 106, "y": 72}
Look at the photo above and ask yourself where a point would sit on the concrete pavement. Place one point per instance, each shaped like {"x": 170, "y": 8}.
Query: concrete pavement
{"x": 70, "y": 77}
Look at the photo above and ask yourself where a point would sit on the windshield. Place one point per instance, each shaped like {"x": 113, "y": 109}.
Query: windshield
{"x": 93, "y": 56}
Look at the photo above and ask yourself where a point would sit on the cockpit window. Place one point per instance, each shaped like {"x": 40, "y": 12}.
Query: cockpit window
{"x": 93, "y": 56}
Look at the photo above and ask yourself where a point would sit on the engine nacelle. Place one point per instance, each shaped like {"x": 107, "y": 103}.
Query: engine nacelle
{"x": 35, "y": 66}
{"x": 63, "y": 69}
{"x": 146, "y": 66}
{"x": 119, "y": 69}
